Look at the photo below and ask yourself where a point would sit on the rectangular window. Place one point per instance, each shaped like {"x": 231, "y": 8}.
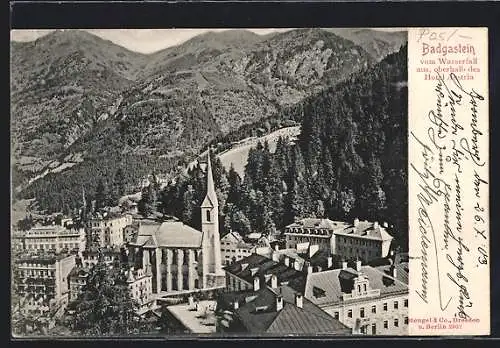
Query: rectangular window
{"x": 406, "y": 320}
{"x": 362, "y": 312}
{"x": 208, "y": 215}
{"x": 396, "y": 304}
{"x": 374, "y": 329}
{"x": 386, "y": 324}
{"x": 396, "y": 322}
{"x": 374, "y": 309}
{"x": 385, "y": 306}
{"x": 336, "y": 316}
{"x": 406, "y": 303}
{"x": 349, "y": 313}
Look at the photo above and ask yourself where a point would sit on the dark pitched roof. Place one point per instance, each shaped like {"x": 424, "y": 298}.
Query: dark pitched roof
{"x": 334, "y": 283}
{"x": 402, "y": 271}
{"x": 257, "y": 313}
{"x": 365, "y": 229}
{"x": 257, "y": 265}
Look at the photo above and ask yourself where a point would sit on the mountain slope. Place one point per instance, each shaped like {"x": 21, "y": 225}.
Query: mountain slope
{"x": 82, "y": 97}
{"x": 61, "y": 85}
{"x": 377, "y": 43}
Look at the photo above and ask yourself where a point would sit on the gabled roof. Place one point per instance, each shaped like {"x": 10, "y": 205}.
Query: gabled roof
{"x": 168, "y": 234}
{"x": 231, "y": 236}
{"x": 330, "y": 282}
{"x": 261, "y": 267}
{"x": 258, "y": 314}
{"x": 365, "y": 229}
{"x": 401, "y": 271}
{"x": 317, "y": 223}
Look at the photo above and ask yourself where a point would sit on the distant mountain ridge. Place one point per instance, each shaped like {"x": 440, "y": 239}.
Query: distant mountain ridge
{"x": 75, "y": 94}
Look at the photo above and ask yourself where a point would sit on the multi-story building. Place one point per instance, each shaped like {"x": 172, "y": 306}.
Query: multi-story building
{"x": 360, "y": 240}
{"x": 90, "y": 257}
{"x": 140, "y": 285}
{"x": 234, "y": 248}
{"x": 364, "y": 298}
{"x": 55, "y": 238}
{"x": 42, "y": 280}
{"x": 369, "y": 300}
{"x": 77, "y": 280}
{"x": 107, "y": 230}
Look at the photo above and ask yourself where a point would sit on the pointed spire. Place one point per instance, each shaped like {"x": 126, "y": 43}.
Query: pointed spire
{"x": 211, "y": 197}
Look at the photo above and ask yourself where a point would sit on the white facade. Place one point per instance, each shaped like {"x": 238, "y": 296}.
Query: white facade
{"x": 233, "y": 248}
{"x": 375, "y": 304}
{"x": 108, "y": 231}
{"x": 140, "y": 285}
{"x": 43, "y": 280}
{"x": 360, "y": 240}
{"x": 55, "y": 238}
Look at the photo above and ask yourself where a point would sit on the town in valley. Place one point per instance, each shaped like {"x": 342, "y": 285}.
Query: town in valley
{"x": 305, "y": 236}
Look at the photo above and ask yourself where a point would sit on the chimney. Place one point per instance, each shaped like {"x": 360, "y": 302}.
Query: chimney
{"x": 276, "y": 257}
{"x": 330, "y": 261}
{"x": 394, "y": 271}
{"x": 299, "y": 300}
{"x": 296, "y": 265}
{"x": 344, "y": 264}
{"x": 287, "y": 261}
{"x": 274, "y": 281}
{"x": 256, "y": 284}
{"x": 279, "y": 303}
{"x": 356, "y": 222}
{"x": 375, "y": 225}
{"x": 309, "y": 269}
{"x": 236, "y": 305}
{"x": 358, "y": 265}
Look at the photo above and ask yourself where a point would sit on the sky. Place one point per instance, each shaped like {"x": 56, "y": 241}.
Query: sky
{"x": 138, "y": 40}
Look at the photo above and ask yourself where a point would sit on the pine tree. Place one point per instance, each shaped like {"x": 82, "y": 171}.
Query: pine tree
{"x": 105, "y": 307}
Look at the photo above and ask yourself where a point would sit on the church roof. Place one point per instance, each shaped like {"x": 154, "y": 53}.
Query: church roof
{"x": 168, "y": 234}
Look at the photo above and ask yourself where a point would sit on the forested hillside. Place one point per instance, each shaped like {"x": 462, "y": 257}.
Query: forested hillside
{"x": 349, "y": 161}
{"x": 84, "y": 107}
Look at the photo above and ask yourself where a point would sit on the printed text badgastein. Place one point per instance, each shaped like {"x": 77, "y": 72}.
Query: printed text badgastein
{"x": 444, "y": 49}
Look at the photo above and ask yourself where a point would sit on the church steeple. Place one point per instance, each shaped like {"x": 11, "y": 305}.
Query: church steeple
{"x": 211, "y": 253}
{"x": 211, "y": 197}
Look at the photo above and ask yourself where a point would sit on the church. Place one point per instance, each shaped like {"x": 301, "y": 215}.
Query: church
{"x": 179, "y": 257}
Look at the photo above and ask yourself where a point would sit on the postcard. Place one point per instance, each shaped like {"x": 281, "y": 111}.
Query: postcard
{"x": 263, "y": 182}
